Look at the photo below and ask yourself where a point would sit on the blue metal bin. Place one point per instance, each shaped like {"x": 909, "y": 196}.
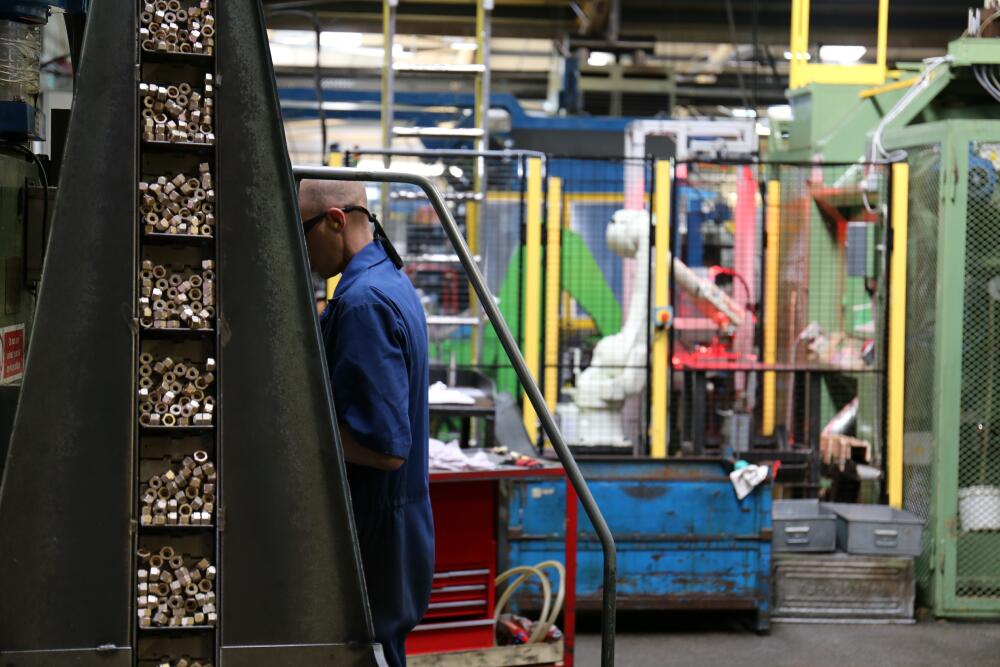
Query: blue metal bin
{"x": 684, "y": 540}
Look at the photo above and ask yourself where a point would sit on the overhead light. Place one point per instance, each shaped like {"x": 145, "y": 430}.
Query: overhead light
{"x": 341, "y": 41}
{"x": 292, "y": 37}
{"x": 600, "y": 58}
{"x": 807, "y": 55}
{"x": 456, "y": 171}
{"x": 461, "y": 45}
{"x": 843, "y": 55}
{"x": 743, "y": 113}
{"x": 406, "y": 166}
{"x": 705, "y": 79}
{"x": 780, "y": 112}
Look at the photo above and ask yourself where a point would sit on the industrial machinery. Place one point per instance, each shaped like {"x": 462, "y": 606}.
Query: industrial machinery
{"x": 25, "y": 193}
{"x": 617, "y": 368}
{"x": 946, "y": 466}
{"x": 236, "y": 532}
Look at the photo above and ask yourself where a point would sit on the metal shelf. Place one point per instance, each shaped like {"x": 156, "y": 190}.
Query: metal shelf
{"x": 177, "y": 58}
{"x": 170, "y": 528}
{"x": 177, "y": 239}
{"x": 180, "y": 332}
{"x": 178, "y": 147}
{"x": 176, "y": 430}
{"x": 178, "y": 628}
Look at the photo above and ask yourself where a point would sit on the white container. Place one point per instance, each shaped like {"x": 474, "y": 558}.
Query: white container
{"x": 979, "y": 507}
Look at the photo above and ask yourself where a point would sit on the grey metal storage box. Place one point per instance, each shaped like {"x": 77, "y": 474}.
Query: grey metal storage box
{"x": 803, "y": 526}
{"x": 877, "y": 530}
{"x": 840, "y": 587}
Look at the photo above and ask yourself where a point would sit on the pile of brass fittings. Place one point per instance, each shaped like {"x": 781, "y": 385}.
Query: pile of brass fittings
{"x": 182, "y": 498}
{"x": 175, "y": 393}
{"x": 169, "y": 27}
{"x": 183, "y": 662}
{"x": 176, "y": 298}
{"x": 179, "y": 205}
{"x": 175, "y": 591}
{"x": 178, "y": 114}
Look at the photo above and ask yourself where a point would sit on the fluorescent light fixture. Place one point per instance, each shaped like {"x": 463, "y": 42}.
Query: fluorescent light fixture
{"x": 600, "y": 58}
{"x": 788, "y": 55}
{"x": 292, "y": 37}
{"x": 840, "y": 54}
{"x": 405, "y": 166}
{"x": 462, "y": 45}
{"x": 456, "y": 171}
{"x": 743, "y": 113}
{"x": 341, "y": 41}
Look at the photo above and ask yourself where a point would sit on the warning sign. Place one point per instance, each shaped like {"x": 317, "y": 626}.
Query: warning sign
{"x": 11, "y": 353}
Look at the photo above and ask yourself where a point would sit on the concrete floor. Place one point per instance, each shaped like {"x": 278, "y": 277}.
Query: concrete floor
{"x": 709, "y": 642}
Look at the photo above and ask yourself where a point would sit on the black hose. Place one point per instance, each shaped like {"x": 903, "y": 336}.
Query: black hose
{"x": 318, "y": 75}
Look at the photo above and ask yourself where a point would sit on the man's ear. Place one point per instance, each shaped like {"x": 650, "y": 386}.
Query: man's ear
{"x": 337, "y": 217}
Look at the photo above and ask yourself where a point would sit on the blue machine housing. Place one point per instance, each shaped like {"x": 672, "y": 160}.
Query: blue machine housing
{"x": 684, "y": 540}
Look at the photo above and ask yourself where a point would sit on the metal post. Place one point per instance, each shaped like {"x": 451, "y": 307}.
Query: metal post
{"x": 532, "y": 287}
{"x": 772, "y": 229}
{"x": 553, "y": 249}
{"x": 659, "y": 386}
{"x": 897, "y": 333}
{"x": 608, "y": 604}
{"x": 387, "y": 97}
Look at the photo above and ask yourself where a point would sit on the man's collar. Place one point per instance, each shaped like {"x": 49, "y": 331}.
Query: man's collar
{"x": 369, "y": 256}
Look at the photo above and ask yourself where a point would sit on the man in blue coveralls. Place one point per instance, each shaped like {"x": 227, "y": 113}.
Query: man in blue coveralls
{"x": 376, "y": 349}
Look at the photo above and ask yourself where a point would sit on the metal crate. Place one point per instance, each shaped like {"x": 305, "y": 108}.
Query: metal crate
{"x": 877, "y": 530}
{"x": 803, "y": 526}
{"x": 823, "y": 588}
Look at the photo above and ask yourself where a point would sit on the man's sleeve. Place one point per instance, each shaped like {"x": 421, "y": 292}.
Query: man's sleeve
{"x": 370, "y": 380}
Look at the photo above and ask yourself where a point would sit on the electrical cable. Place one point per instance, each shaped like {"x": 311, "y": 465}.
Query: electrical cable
{"x": 318, "y": 74}
{"x": 550, "y": 610}
{"x": 736, "y": 53}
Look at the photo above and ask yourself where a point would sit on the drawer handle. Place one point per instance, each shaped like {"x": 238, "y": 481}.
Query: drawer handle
{"x": 885, "y": 537}
{"x": 796, "y": 534}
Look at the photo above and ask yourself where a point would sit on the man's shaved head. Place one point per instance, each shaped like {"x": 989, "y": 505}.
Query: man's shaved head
{"x": 316, "y": 196}
{"x": 339, "y": 235}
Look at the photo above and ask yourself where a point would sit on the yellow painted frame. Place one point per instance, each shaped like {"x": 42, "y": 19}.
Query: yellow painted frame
{"x": 773, "y": 231}
{"x": 659, "y": 392}
{"x": 553, "y": 250}
{"x": 897, "y": 333}
{"x": 532, "y": 286}
{"x": 802, "y": 72}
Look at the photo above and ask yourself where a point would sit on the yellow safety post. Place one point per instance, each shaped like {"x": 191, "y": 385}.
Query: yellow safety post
{"x": 553, "y": 249}
{"x": 897, "y": 332}
{"x": 532, "y": 287}
{"x": 772, "y": 227}
{"x": 659, "y": 393}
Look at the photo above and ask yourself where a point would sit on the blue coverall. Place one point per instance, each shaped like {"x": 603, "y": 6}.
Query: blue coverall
{"x": 376, "y": 348}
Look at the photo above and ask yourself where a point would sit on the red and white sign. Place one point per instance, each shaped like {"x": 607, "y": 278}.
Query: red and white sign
{"x": 11, "y": 353}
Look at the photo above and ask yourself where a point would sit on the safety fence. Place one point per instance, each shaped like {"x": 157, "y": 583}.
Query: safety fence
{"x": 779, "y": 295}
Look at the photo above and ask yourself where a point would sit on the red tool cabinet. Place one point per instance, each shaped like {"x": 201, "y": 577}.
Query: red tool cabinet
{"x": 460, "y": 614}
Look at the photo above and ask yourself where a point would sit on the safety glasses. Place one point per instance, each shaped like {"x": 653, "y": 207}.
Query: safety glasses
{"x": 380, "y": 234}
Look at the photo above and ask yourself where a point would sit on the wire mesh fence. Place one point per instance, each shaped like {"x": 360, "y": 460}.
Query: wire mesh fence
{"x": 604, "y": 303}
{"x": 921, "y": 300}
{"x": 778, "y": 287}
{"x": 978, "y": 539}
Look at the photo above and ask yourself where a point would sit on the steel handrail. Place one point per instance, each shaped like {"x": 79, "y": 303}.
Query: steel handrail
{"x": 608, "y": 602}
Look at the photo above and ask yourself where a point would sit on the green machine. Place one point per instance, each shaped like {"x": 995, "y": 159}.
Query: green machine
{"x": 943, "y": 120}
{"x": 947, "y": 128}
